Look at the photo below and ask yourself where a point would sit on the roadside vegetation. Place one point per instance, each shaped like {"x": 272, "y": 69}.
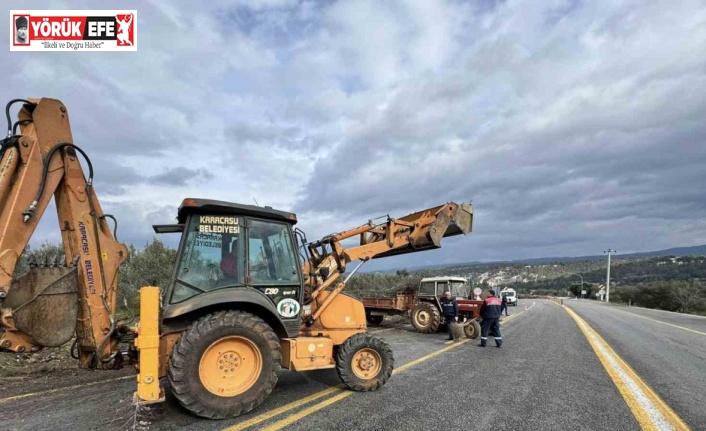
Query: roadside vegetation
{"x": 668, "y": 283}
{"x": 674, "y": 283}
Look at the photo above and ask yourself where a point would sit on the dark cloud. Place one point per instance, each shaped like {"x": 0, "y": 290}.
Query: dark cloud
{"x": 180, "y": 176}
{"x": 572, "y": 126}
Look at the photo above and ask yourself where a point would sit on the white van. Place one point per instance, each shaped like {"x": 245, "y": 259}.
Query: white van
{"x": 510, "y": 295}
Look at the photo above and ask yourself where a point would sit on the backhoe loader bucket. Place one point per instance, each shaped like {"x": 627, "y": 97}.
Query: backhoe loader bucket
{"x": 44, "y": 304}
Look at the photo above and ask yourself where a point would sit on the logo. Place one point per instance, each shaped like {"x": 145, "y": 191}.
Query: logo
{"x": 288, "y": 307}
{"x": 73, "y": 30}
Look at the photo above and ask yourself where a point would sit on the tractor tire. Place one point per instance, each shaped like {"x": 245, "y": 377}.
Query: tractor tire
{"x": 364, "y": 362}
{"x": 472, "y": 330}
{"x": 225, "y": 364}
{"x": 425, "y": 318}
{"x": 374, "y": 320}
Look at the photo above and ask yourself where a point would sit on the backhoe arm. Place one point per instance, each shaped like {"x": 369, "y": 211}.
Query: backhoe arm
{"x": 422, "y": 230}
{"x": 77, "y": 295}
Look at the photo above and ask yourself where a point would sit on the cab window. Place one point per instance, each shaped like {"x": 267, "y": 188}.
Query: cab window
{"x": 458, "y": 289}
{"x": 271, "y": 257}
{"x": 212, "y": 256}
{"x": 441, "y": 288}
{"x": 427, "y": 288}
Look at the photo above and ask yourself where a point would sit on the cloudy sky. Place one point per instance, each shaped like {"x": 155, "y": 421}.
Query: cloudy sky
{"x": 572, "y": 126}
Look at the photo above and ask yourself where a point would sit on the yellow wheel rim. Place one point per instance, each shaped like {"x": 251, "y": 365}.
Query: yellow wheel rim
{"x": 230, "y": 366}
{"x": 422, "y": 318}
{"x": 367, "y": 363}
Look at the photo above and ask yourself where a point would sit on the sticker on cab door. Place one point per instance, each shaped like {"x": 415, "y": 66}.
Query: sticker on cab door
{"x": 288, "y": 307}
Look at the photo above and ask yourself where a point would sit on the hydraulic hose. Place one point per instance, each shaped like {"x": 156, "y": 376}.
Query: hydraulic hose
{"x": 7, "y": 113}
{"x": 19, "y": 123}
{"x": 29, "y": 212}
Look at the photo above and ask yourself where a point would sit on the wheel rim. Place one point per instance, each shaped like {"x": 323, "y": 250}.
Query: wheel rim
{"x": 422, "y": 317}
{"x": 470, "y": 330}
{"x": 230, "y": 366}
{"x": 367, "y": 363}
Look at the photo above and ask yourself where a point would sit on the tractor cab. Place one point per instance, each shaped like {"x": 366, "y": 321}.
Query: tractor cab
{"x": 435, "y": 287}
{"x": 231, "y": 253}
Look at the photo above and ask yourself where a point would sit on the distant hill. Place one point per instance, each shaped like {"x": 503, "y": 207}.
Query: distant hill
{"x": 698, "y": 250}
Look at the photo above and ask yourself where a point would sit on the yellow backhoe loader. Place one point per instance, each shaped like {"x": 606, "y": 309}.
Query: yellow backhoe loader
{"x": 249, "y": 294}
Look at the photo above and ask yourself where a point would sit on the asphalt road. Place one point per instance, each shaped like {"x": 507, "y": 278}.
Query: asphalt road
{"x": 667, "y": 350}
{"x": 546, "y": 376}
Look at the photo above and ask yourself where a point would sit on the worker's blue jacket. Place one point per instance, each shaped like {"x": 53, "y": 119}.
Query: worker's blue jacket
{"x": 449, "y": 307}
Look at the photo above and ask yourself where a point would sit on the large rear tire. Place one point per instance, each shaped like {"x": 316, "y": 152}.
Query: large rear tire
{"x": 364, "y": 362}
{"x": 425, "y": 318}
{"x": 472, "y": 330}
{"x": 225, "y": 364}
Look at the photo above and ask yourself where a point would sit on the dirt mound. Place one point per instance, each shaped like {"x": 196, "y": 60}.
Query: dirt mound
{"x": 46, "y": 360}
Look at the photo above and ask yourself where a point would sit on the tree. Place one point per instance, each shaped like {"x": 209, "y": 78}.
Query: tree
{"x": 151, "y": 266}
{"x": 576, "y": 289}
{"x": 46, "y": 253}
{"x": 686, "y": 296}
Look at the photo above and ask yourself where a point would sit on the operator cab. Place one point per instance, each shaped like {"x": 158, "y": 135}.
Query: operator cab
{"x": 238, "y": 253}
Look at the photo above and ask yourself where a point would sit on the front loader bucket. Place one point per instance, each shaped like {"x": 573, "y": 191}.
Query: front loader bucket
{"x": 450, "y": 221}
{"x": 432, "y": 225}
{"x": 44, "y": 304}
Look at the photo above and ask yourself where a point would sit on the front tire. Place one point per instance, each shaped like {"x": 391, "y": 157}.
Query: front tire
{"x": 364, "y": 362}
{"x": 426, "y": 318}
{"x": 225, "y": 364}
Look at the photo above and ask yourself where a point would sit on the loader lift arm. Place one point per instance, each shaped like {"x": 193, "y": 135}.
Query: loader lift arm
{"x": 50, "y": 304}
{"x": 419, "y": 231}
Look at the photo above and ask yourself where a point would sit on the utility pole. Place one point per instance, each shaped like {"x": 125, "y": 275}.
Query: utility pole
{"x": 607, "y": 277}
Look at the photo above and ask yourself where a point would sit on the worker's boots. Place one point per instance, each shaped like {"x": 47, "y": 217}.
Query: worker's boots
{"x": 483, "y": 341}
{"x": 498, "y": 342}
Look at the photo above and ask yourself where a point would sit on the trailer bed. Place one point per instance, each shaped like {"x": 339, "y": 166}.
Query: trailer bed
{"x": 400, "y": 303}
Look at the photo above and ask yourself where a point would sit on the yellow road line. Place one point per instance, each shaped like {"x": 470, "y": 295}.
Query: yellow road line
{"x": 306, "y": 412}
{"x": 658, "y": 321}
{"x": 278, "y": 411}
{"x": 429, "y": 356}
{"x": 49, "y": 391}
{"x": 664, "y": 323}
{"x": 316, "y": 407}
{"x": 651, "y": 412}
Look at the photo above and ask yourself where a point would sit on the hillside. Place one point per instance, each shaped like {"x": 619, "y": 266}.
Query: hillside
{"x": 676, "y": 283}
{"x": 559, "y": 275}
{"x": 699, "y": 250}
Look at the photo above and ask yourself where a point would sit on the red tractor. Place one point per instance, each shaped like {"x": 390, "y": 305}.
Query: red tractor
{"x": 425, "y": 305}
